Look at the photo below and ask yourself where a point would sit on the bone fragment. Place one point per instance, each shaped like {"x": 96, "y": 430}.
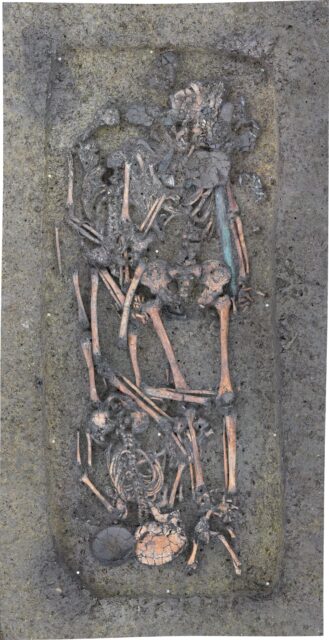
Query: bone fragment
{"x": 225, "y": 457}
{"x": 232, "y": 203}
{"x": 69, "y": 201}
{"x": 58, "y": 251}
{"x": 192, "y": 558}
{"x": 78, "y": 456}
{"x": 140, "y": 161}
{"x": 89, "y": 450}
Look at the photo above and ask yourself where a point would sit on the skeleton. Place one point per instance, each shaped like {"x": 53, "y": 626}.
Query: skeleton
{"x": 182, "y": 170}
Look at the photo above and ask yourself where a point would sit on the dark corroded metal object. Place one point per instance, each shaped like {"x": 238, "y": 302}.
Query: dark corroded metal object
{"x": 113, "y": 545}
{"x": 224, "y": 233}
{"x": 178, "y": 169}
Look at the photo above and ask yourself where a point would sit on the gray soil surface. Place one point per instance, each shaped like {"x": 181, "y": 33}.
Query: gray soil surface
{"x": 61, "y": 64}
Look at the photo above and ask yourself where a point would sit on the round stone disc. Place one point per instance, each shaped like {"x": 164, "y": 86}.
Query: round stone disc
{"x": 113, "y": 545}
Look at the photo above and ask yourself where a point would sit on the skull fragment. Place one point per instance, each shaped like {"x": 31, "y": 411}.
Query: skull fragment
{"x": 160, "y": 542}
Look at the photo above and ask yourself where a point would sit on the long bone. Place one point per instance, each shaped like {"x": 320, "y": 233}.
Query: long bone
{"x": 215, "y": 276}
{"x": 225, "y": 389}
{"x": 242, "y": 269}
{"x": 108, "y": 506}
{"x": 201, "y": 534}
{"x": 235, "y": 560}
{"x": 123, "y": 388}
{"x": 85, "y": 230}
{"x": 153, "y": 311}
{"x": 144, "y": 397}
{"x": 202, "y": 496}
{"x": 229, "y": 442}
{"x": 152, "y": 214}
{"x": 178, "y": 396}
{"x": 82, "y": 316}
{"x": 202, "y": 201}
{"x": 176, "y": 483}
{"x": 117, "y": 293}
{"x": 128, "y": 302}
{"x": 87, "y": 352}
{"x": 157, "y": 417}
{"x": 239, "y": 227}
{"x": 237, "y": 230}
{"x": 132, "y": 344}
{"x": 109, "y": 288}
{"x": 125, "y": 202}
{"x": 129, "y": 389}
{"x": 93, "y": 314}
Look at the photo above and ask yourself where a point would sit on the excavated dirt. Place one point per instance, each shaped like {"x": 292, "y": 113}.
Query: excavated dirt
{"x": 57, "y": 75}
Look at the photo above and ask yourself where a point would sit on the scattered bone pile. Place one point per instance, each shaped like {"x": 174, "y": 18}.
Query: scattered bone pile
{"x": 179, "y": 169}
